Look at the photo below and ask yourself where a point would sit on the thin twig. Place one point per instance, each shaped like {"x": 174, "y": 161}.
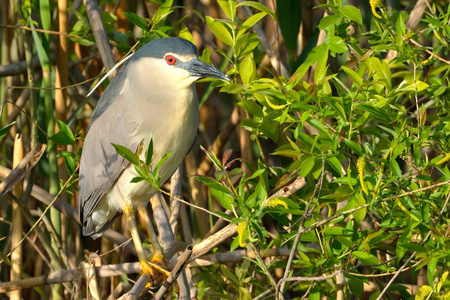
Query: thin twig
{"x": 430, "y": 52}
{"x": 237, "y": 256}
{"x": 302, "y": 279}
{"x": 301, "y": 226}
{"x": 39, "y": 30}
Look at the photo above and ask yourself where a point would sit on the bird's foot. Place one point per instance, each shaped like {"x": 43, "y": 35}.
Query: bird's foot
{"x": 155, "y": 266}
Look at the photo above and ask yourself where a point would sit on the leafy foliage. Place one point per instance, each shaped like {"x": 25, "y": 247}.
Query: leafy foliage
{"x": 360, "y": 109}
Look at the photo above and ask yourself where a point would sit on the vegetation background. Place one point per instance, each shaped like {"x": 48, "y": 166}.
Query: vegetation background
{"x": 324, "y": 167}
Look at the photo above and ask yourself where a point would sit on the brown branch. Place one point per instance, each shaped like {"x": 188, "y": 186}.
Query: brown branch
{"x": 430, "y": 52}
{"x": 236, "y": 256}
{"x": 176, "y": 271}
{"x": 416, "y": 14}
{"x": 167, "y": 236}
{"x": 22, "y": 168}
{"x": 20, "y": 67}
{"x": 100, "y": 35}
{"x": 61, "y": 276}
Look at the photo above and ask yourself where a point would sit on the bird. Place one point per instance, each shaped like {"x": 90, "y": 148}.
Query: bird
{"x": 153, "y": 98}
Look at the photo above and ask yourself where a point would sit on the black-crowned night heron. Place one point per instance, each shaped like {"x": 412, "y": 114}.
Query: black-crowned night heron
{"x": 153, "y": 97}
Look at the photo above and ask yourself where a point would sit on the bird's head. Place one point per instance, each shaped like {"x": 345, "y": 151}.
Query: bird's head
{"x": 175, "y": 59}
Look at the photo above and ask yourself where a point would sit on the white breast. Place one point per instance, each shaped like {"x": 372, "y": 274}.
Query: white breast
{"x": 172, "y": 124}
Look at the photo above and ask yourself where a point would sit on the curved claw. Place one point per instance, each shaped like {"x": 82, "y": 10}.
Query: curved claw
{"x": 155, "y": 266}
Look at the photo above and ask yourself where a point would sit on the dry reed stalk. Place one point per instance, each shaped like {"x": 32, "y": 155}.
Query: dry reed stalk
{"x": 17, "y": 221}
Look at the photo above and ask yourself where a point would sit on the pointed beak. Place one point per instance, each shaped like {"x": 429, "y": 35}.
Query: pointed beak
{"x": 197, "y": 68}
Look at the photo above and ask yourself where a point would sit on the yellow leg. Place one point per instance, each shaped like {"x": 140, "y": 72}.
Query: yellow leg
{"x": 158, "y": 256}
{"x": 156, "y": 264}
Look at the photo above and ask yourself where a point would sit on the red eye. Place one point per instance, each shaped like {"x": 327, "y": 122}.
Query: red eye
{"x": 170, "y": 60}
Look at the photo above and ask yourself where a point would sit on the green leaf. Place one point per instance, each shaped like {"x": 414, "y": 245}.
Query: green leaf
{"x": 220, "y": 30}
{"x": 252, "y": 107}
{"x": 247, "y": 69}
{"x": 82, "y": 41}
{"x": 234, "y": 244}
{"x": 224, "y": 199}
{"x": 161, "y": 161}
{"x": 228, "y": 7}
{"x": 229, "y": 275}
{"x": 346, "y": 180}
{"x": 395, "y": 168}
{"x": 315, "y": 293}
{"x": 5, "y": 258}
{"x": 405, "y": 238}
{"x": 306, "y": 166}
{"x": 186, "y": 34}
{"x": 400, "y": 30}
{"x": 368, "y": 259}
{"x": 337, "y": 44}
{"x": 223, "y": 215}
{"x": 415, "y": 247}
{"x": 258, "y": 6}
{"x": 431, "y": 269}
{"x": 424, "y": 292}
{"x": 317, "y": 53}
{"x": 64, "y": 136}
{"x": 379, "y": 113}
{"x": 69, "y": 161}
{"x": 356, "y": 285}
{"x": 381, "y": 69}
{"x": 127, "y": 154}
{"x": 321, "y": 67}
{"x": 354, "y": 146}
{"x": 256, "y": 174}
{"x": 334, "y": 162}
{"x": 136, "y": 20}
{"x": 335, "y": 230}
{"x": 250, "y": 22}
{"x": 213, "y": 158}
{"x": 317, "y": 124}
{"x": 149, "y": 153}
{"x": 214, "y": 185}
{"x": 137, "y": 179}
{"x": 352, "y": 13}
{"x": 359, "y": 214}
{"x": 5, "y": 129}
{"x": 163, "y": 11}
{"x": 289, "y": 19}
{"x": 328, "y": 21}
{"x": 353, "y": 75}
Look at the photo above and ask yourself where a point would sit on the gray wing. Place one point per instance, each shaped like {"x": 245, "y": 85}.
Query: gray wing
{"x": 100, "y": 164}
